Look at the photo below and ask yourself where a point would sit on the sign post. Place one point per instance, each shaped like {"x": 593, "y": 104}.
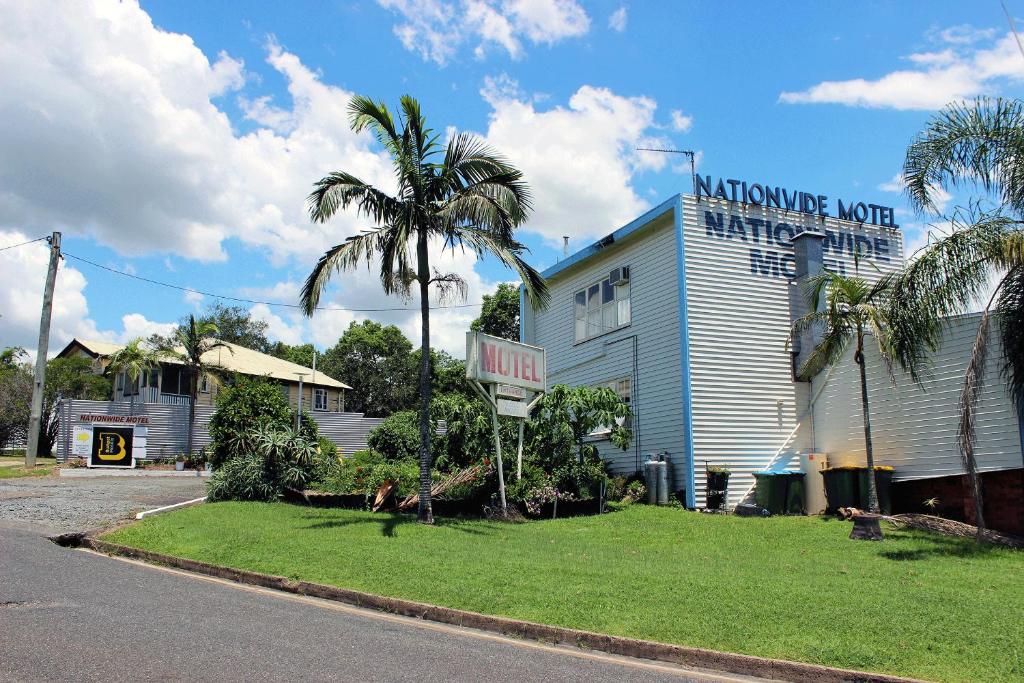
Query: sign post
{"x": 515, "y": 376}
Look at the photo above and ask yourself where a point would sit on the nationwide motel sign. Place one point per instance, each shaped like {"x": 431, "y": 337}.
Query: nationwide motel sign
{"x": 110, "y": 440}
{"x": 511, "y": 377}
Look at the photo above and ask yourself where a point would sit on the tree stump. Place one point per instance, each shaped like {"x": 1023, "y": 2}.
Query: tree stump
{"x": 866, "y": 527}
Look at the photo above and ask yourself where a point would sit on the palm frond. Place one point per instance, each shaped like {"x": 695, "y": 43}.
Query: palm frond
{"x": 945, "y": 279}
{"x": 981, "y": 141}
{"x": 1010, "y": 304}
{"x": 341, "y": 189}
{"x": 346, "y": 256}
{"x": 365, "y": 113}
{"x": 509, "y": 252}
{"x": 830, "y": 350}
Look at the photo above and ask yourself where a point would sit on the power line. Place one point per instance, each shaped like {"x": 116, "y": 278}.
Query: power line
{"x": 38, "y": 239}
{"x": 253, "y": 301}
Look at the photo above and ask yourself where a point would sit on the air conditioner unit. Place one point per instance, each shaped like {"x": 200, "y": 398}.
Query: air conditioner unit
{"x": 619, "y": 276}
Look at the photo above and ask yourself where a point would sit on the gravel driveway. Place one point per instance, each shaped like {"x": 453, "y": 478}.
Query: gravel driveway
{"x": 58, "y": 504}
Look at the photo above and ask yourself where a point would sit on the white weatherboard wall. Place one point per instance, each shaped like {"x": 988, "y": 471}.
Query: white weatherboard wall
{"x": 914, "y": 429}
{"x": 745, "y": 404}
{"x": 650, "y": 252}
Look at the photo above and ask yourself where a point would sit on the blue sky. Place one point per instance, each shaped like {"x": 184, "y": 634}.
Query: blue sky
{"x": 177, "y": 140}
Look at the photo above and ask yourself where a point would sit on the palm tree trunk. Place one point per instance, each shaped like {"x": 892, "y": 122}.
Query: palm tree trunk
{"x": 191, "y": 409}
{"x": 426, "y": 512}
{"x": 872, "y": 488}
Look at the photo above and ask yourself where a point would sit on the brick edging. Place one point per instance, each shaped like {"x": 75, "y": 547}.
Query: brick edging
{"x": 747, "y": 665}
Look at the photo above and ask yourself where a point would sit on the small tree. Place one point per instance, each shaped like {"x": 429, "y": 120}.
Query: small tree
{"x": 853, "y": 308}
{"x": 193, "y": 341}
{"x": 567, "y": 416}
{"x": 135, "y": 360}
{"x": 15, "y": 395}
{"x": 67, "y": 378}
{"x": 499, "y": 316}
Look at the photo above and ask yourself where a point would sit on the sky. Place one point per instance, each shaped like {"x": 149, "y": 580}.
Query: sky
{"x": 177, "y": 141}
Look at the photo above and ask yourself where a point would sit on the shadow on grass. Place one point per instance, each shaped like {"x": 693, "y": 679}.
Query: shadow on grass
{"x": 934, "y": 545}
{"x": 390, "y": 521}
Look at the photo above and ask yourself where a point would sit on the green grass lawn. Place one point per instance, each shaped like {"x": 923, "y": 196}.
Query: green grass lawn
{"x": 787, "y": 587}
{"x": 18, "y": 470}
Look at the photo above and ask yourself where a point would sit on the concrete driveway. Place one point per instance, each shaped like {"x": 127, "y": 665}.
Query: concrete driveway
{"x": 58, "y": 504}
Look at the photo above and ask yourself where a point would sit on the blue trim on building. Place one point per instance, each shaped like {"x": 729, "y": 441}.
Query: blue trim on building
{"x": 621, "y": 233}
{"x": 684, "y": 354}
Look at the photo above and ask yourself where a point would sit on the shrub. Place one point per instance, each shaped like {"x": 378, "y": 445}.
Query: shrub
{"x": 244, "y": 477}
{"x": 240, "y": 408}
{"x": 469, "y": 434}
{"x": 326, "y": 461}
{"x": 636, "y": 492}
{"x": 616, "y": 488}
{"x": 397, "y": 437}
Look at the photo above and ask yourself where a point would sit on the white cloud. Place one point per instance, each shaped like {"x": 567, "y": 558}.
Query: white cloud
{"x": 940, "y": 197}
{"x": 193, "y": 299}
{"x": 579, "y": 160}
{"x": 436, "y": 29}
{"x": 970, "y": 62}
{"x": 618, "y": 19}
{"x": 122, "y": 116}
{"x": 137, "y": 325}
{"x": 22, "y": 276}
{"x": 681, "y": 122}
{"x": 156, "y": 166}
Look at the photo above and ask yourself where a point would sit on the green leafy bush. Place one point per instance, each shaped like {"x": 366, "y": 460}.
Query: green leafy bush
{"x": 240, "y": 408}
{"x": 636, "y": 492}
{"x": 468, "y": 438}
{"x": 616, "y": 488}
{"x": 397, "y": 437}
{"x": 244, "y": 477}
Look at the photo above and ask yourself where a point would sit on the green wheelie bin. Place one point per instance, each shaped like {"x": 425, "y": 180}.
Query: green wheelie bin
{"x": 842, "y": 487}
{"x": 883, "y": 482}
{"x": 780, "y": 493}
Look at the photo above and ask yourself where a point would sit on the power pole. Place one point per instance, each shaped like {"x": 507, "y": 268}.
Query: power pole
{"x": 43, "y": 347}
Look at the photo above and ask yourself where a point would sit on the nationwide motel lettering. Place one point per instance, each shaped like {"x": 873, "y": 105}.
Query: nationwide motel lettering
{"x": 771, "y": 243}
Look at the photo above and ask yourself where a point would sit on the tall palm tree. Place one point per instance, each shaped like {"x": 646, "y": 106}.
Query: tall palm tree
{"x": 189, "y": 344}
{"x": 853, "y": 307}
{"x": 461, "y": 195}
{"x": 978, "y": 144}
{"x": 135, "y": 360}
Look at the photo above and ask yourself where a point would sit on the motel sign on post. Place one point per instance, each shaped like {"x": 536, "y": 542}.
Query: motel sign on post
{"x": 495, "y": 360}
{"x": 506, "y": 374}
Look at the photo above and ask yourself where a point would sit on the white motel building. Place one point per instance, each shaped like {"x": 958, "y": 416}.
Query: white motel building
{"x": 686, "y": 312}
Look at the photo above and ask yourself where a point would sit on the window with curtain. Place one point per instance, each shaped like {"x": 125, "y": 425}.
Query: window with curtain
{"x": 601, "y": 308}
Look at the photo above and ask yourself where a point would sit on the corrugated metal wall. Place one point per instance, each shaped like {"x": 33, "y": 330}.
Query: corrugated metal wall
{"x": 168, "y": 425}
{"x": 745, "y": 404}
{"x": 914, "y": 429}
{"x": 651, "y": 255}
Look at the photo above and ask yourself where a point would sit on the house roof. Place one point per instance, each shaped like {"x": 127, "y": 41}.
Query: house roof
{"x": 673, "y": 202}
{"x": 234, "y": 358}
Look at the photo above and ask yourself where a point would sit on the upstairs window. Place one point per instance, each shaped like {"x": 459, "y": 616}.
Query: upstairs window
{"x": 319, "y": 399}
{"x": 603, "y": 306}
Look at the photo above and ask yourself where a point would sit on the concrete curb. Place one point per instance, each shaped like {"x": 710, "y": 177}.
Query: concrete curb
{"x": 94, "y": 472}
{"x": 747, "y": 665}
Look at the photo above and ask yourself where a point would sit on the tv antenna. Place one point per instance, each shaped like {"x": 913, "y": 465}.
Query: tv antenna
{"x": 687, "y": 152}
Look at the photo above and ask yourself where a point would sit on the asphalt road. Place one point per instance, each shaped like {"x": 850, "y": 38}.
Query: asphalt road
{"x": 75, "y": 615}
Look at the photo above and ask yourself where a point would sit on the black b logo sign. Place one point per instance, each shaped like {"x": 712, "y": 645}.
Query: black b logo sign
{"x": 111, "y": 446}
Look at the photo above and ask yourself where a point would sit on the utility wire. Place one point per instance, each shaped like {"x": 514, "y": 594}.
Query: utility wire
{"x": 252, "y": 301}
{"x": 1013, "y": 26}
{"x": 38, "y": 239}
